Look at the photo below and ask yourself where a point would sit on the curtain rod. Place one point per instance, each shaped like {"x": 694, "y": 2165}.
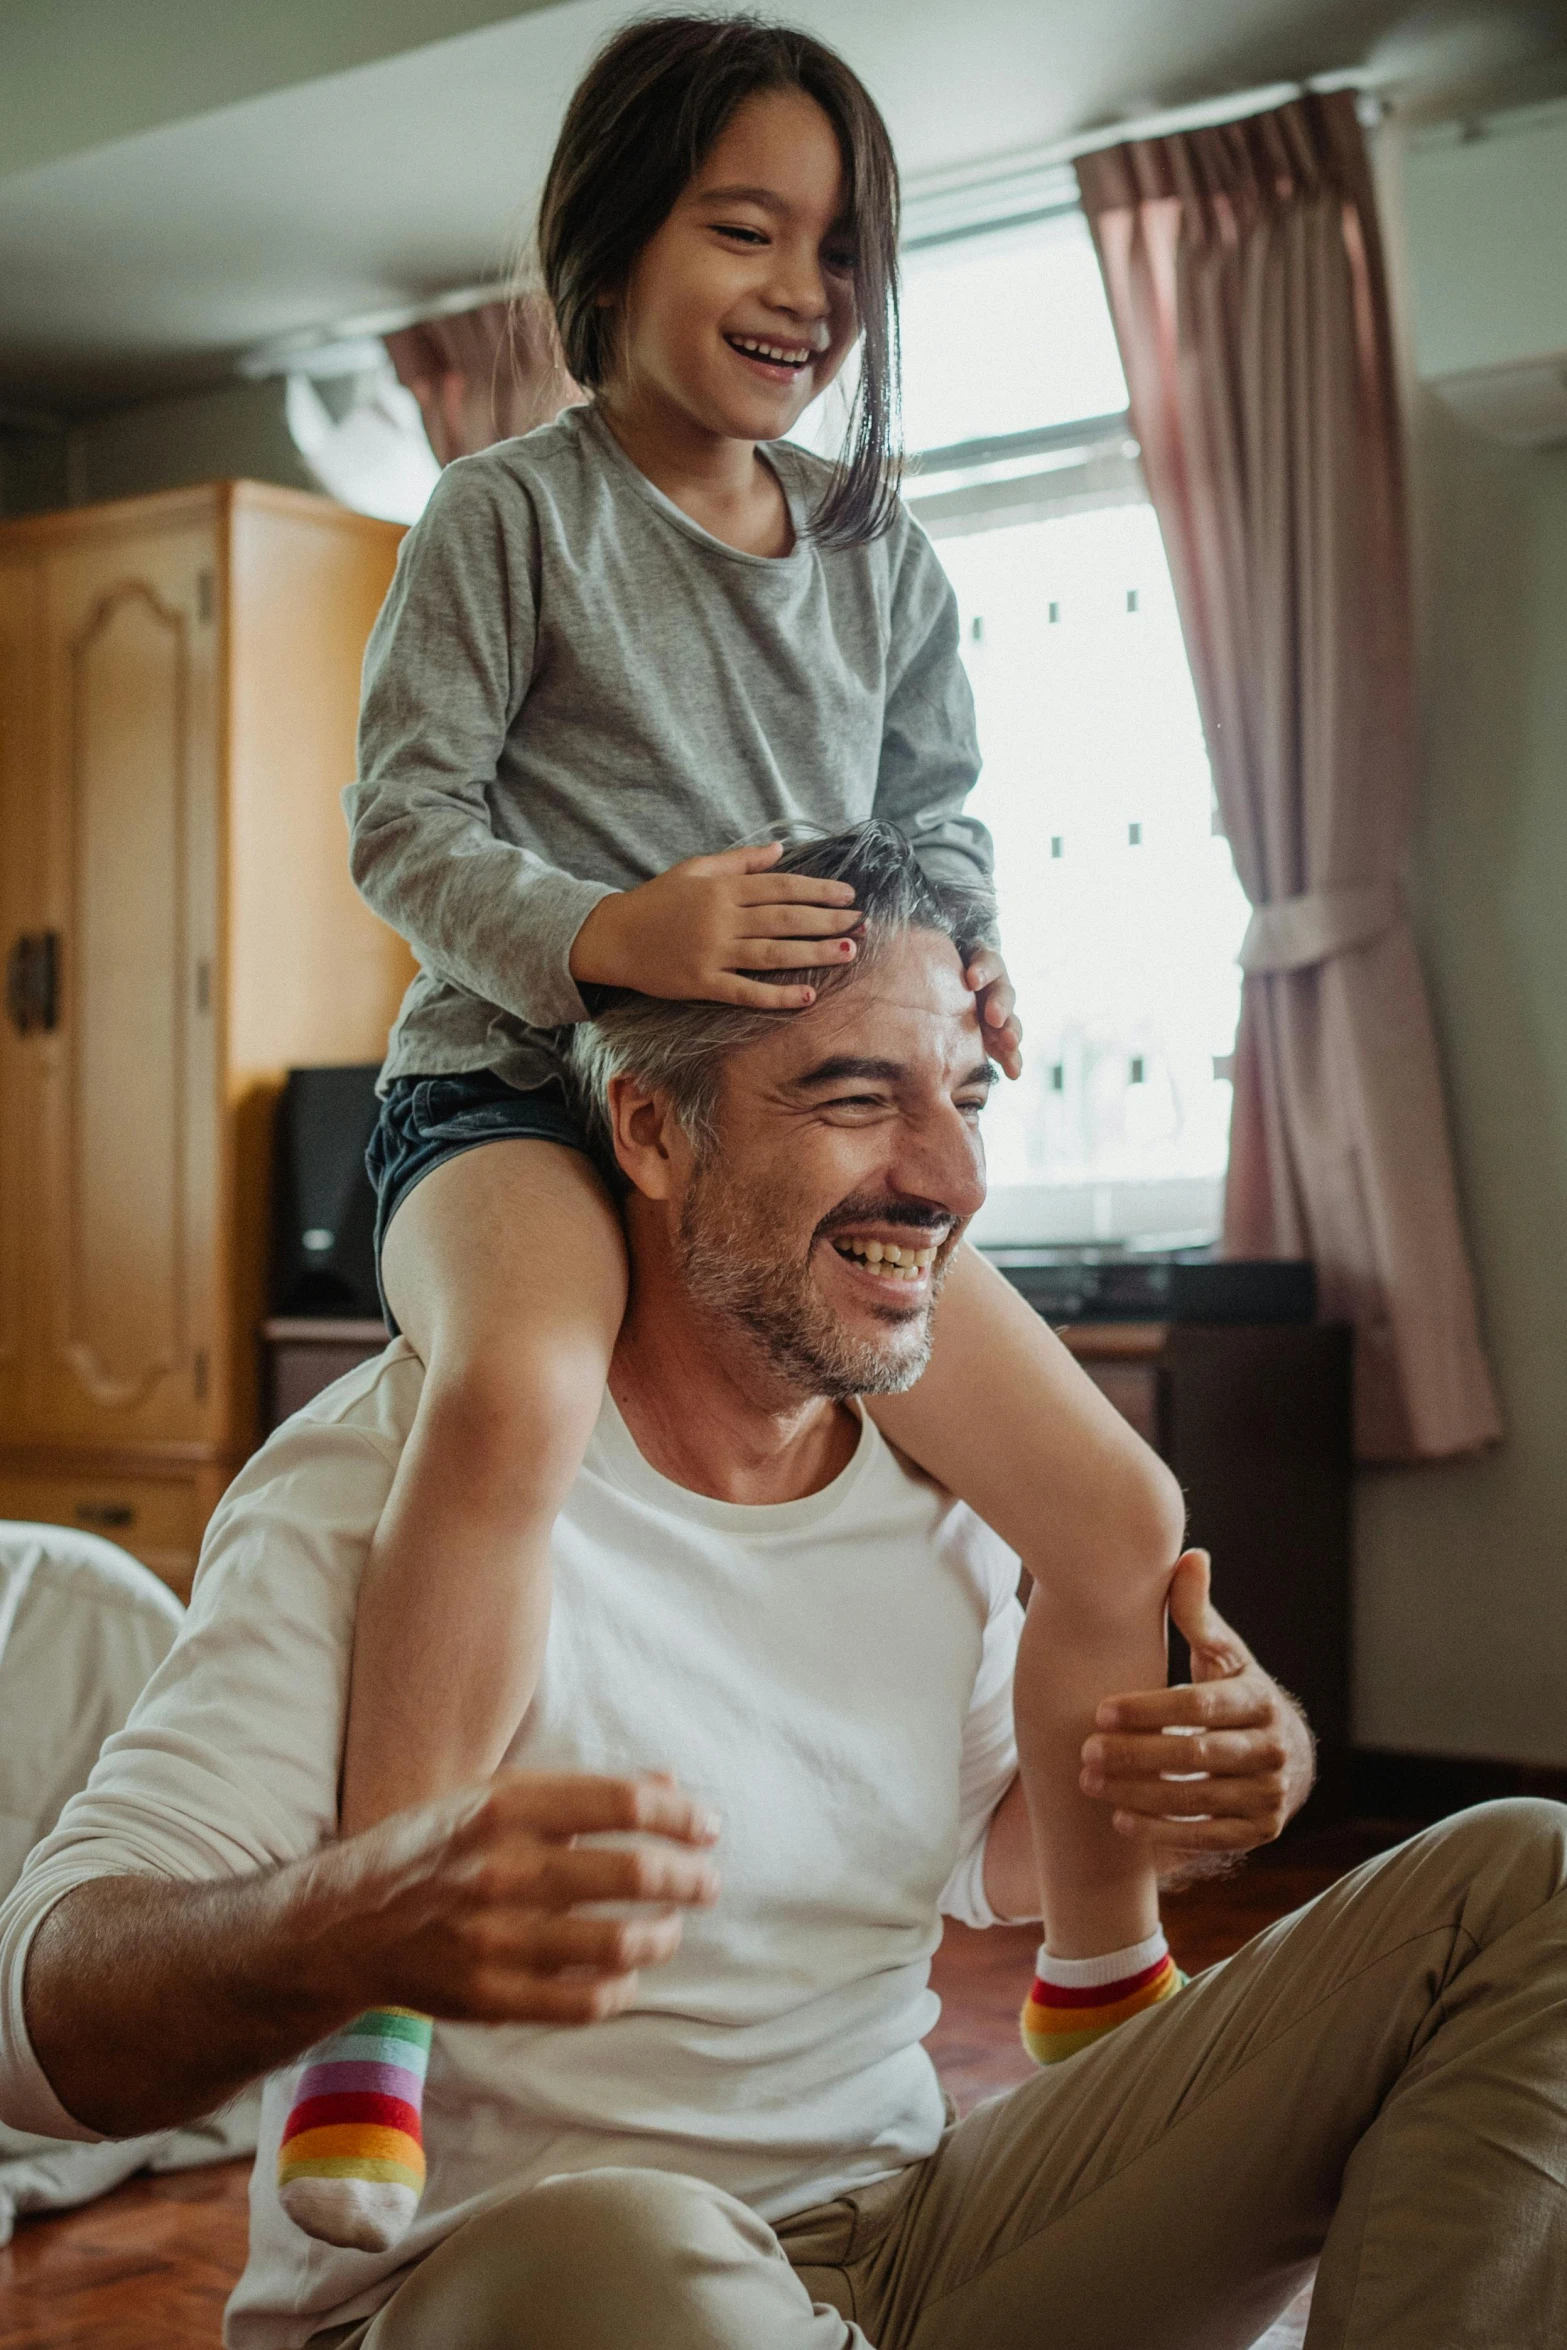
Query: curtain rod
{"x": 1009, "y": 191}
{"x": 1057, "y": 157}
{"x": 292, "y": 354}
{"x": 1035, "y": 184}
{"x": 1203, "y": 114}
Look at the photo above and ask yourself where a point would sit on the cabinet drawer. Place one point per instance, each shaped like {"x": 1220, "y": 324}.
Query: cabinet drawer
{"x": 157, "y": 1519}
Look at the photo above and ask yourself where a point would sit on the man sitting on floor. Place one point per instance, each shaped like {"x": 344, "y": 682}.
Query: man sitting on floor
{"x": 746, "y": 2149}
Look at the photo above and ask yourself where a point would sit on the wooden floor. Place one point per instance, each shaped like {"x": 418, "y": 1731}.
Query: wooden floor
{"x": 150, "y": 2267}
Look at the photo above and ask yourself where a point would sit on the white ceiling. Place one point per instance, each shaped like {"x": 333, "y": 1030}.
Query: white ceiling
{"x": 150, "y": 260}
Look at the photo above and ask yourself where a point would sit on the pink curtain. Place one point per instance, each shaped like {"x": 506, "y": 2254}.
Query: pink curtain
{"x": 1244, "y": 270}
{"x": 483, "y": 375}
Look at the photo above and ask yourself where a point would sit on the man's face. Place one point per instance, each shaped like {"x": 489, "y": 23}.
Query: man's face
{"x": 848, "y": 1161}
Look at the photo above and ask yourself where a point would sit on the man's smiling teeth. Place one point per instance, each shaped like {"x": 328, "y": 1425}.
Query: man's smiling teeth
{"x": 795, "y": 357}
{"x": 891, "y": 1262}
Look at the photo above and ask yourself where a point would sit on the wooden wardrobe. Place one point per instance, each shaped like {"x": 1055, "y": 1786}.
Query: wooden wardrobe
{"x": 179, "y": 681}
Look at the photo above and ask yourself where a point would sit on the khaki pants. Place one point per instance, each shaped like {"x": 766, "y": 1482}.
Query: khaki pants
{"x": 1379, "y": 2081}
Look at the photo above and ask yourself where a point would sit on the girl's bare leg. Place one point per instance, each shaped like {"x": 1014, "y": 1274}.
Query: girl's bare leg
{"x": 1006, "y": 1419}
{"x": 506, "y": 1268}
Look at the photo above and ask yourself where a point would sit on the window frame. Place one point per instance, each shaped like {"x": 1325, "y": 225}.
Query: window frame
{"x": 1057, "y": 469}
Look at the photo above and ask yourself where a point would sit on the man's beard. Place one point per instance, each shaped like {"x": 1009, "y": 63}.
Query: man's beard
{"x": 733, "y": 1268}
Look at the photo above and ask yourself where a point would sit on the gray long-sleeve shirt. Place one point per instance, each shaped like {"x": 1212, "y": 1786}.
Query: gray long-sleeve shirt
{"x": 573, "y": 686}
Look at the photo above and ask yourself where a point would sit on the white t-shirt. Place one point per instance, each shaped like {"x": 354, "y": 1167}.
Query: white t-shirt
{"x": 834, "y": 1674}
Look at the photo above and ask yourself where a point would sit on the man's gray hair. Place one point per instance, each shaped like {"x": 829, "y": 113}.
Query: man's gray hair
{"x": 678, "y": 1049}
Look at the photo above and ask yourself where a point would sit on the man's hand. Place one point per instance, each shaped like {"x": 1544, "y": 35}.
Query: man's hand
{"x": 999, "y": 1024}
{"x": 482, "y": 1920}
{"x": 695, "y": 930}
{"x": 478, "y": 1908}
{"x": 1232, "y": 1723}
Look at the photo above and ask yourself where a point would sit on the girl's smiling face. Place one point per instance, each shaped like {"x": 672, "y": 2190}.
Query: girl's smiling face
{"x": 740, "y": 308}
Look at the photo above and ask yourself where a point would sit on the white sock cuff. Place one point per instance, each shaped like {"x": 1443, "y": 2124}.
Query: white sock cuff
{"x": 1088, "y": 1974}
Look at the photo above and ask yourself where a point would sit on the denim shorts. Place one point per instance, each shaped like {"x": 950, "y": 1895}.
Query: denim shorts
{"x": 426, "y": 1120}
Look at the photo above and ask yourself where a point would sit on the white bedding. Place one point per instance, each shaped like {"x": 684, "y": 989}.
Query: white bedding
{"x": 82, "y": 1626}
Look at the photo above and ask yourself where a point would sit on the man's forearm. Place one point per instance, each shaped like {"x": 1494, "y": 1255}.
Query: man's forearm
{"x": 149, "y": 2003}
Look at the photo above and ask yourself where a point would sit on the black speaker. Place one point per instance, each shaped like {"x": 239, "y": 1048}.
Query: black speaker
{"x": 1187, "y": 1285}
{"x": 323, "y": 1206}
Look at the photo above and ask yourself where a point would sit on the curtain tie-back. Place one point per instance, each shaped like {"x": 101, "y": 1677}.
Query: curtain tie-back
{"x": 1294, "y": 933}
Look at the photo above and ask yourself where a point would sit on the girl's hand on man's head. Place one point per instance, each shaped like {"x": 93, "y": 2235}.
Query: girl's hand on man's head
{"x": 998, "y": 1020}
{"x": 699, "y": 930}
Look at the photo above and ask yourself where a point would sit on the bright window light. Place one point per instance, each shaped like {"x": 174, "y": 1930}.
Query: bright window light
{"x": 1121, "y": 913}
{"x": 1004, "y": 333}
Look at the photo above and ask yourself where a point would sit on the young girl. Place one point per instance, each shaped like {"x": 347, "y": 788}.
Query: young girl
{"x": 640, "y": 633}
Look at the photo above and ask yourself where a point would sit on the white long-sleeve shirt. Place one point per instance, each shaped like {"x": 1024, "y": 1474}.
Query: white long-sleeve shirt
{"x": 834, "y": 1674}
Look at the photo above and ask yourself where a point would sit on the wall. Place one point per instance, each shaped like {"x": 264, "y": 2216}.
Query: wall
{"x": 166, "y": 444}
{"x": 1462, "y": 1569}
{"x": 33, "y": 475}
{"x": 1486, "y": 291}
{"x": 237, "y": 430}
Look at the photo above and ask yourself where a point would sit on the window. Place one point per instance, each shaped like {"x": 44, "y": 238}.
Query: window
{"x": 1121, "y": 913}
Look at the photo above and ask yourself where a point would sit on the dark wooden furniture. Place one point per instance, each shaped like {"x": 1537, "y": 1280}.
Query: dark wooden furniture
{"x": 300, "y": 1356}
{"x": 1254, "y": 1418}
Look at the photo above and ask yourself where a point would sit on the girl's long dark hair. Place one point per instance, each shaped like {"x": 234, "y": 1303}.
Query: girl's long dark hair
{"x": 639, "y": 125}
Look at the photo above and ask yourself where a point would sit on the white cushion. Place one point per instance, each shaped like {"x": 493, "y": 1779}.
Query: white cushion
{"x": 81, "y": 1628}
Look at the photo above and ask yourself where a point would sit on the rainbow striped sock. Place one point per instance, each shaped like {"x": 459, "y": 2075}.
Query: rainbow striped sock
{"x": 350, "y": 2169}
{"x": 1075, "y": 2001}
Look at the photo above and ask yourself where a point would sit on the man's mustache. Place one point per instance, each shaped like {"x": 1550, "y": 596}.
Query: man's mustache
{"x": 920, "y": 1215}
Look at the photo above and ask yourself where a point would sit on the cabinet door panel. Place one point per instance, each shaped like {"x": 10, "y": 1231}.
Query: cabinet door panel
{"x": 21, "y": 809}
{"x": 131, "y": 1111}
